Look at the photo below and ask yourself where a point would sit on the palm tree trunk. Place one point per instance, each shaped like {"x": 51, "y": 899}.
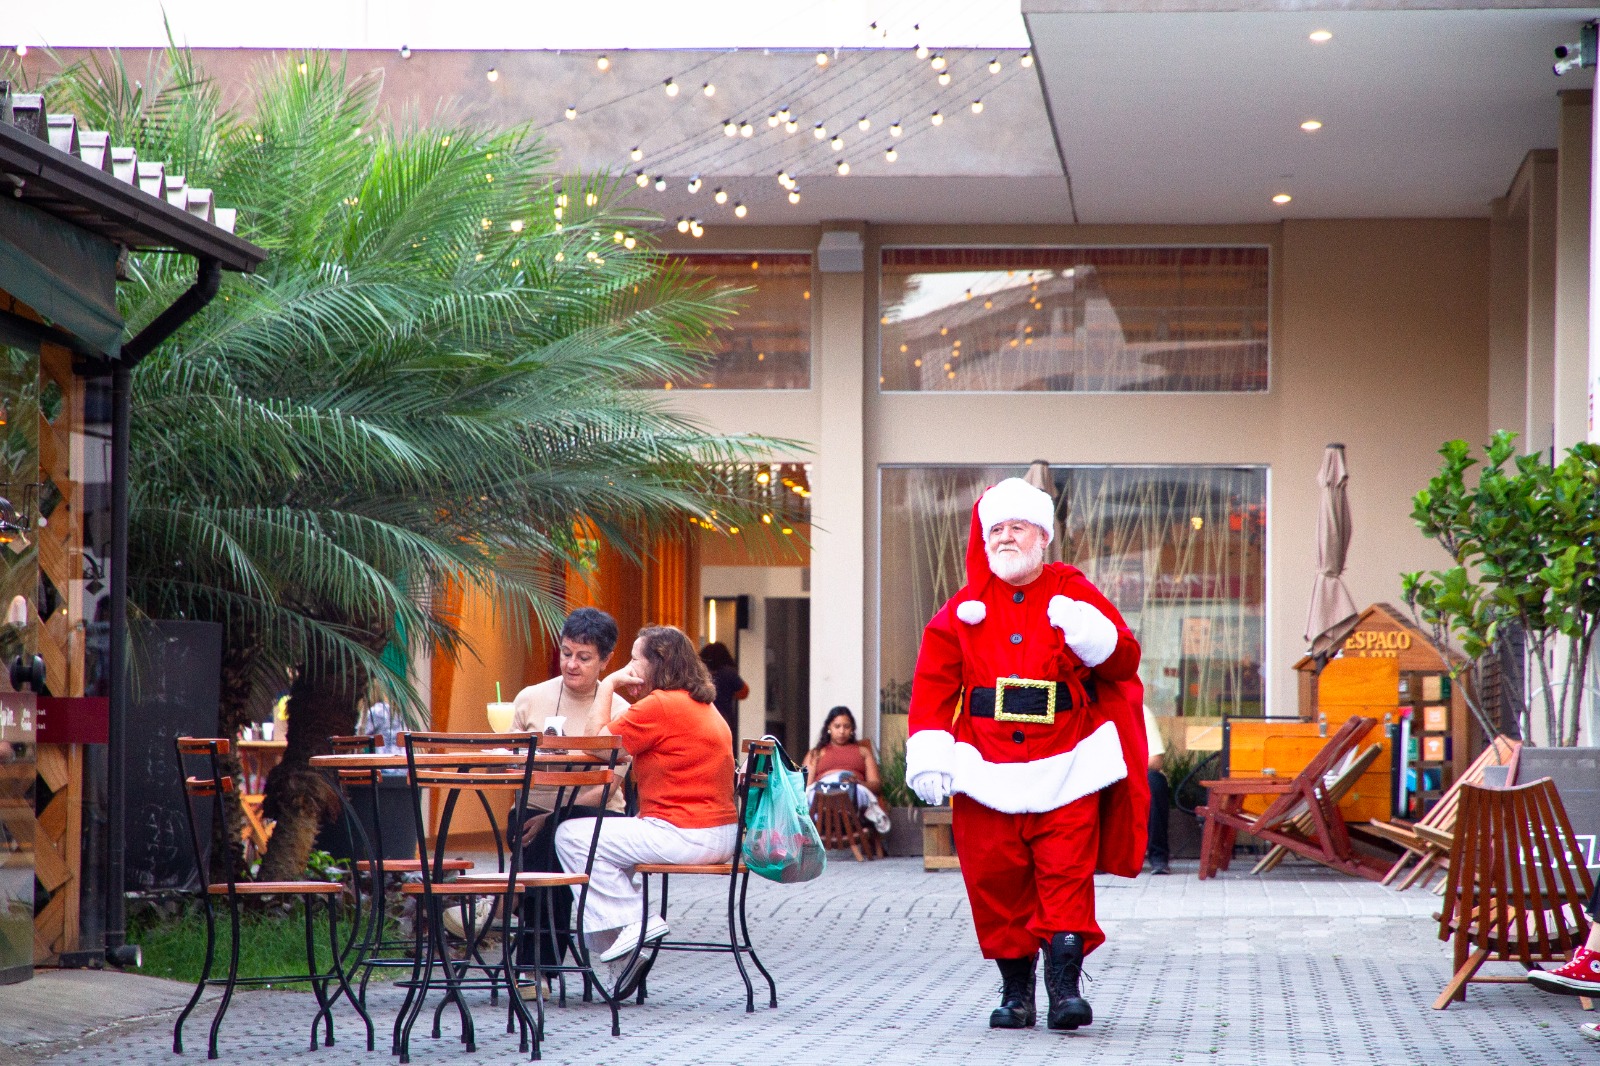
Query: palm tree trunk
{"x": 322, "y": 704}
{"x": 233, "y": 711}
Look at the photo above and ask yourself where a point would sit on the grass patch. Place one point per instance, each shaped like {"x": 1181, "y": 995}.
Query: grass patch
{"x": 271, "y": 942}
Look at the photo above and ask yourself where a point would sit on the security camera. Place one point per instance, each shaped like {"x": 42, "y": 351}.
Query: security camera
{"x": 1580, "y": 53}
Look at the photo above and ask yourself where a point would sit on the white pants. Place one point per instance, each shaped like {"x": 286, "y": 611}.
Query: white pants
{"x": 614, "y": 900}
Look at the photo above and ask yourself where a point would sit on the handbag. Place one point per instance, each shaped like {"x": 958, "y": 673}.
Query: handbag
{"x": 781, "y": 843}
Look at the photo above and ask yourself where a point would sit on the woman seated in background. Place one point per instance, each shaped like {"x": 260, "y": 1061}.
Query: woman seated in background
{"x": 841, "y": 761}
{"x": 683, "y": 767}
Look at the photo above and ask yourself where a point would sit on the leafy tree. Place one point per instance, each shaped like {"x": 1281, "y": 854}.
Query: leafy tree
{"x": 1523, "y": 538}
{"x": 431, "y": 382}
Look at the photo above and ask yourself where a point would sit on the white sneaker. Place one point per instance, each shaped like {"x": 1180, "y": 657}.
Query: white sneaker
{"x": 483, "y": 916}
{"x": 878, "y": 818}
{"x": 631, "y": 936}
{"x": 1590, "y": 1031}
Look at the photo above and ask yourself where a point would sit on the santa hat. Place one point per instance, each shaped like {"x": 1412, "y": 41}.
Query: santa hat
{"x": 1015, "y": 499}
{"x": 1012, "y": 498}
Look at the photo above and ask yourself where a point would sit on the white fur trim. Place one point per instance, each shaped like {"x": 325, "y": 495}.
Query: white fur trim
{"x": 1042, "y": 785}
{"x": 928, "y": 751}
{"x": 1015, "y": 498}
{"x": 971, "y": 611}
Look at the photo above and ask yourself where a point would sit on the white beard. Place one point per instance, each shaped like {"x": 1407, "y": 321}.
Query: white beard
{"x": 1011, "y": 565}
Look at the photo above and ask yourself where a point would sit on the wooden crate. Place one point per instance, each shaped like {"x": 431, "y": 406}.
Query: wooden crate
{"x": 938, "y": 840}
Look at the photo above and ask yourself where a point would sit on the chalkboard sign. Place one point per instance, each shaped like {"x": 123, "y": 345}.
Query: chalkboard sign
{"x": 1576, "y": 773}
{"x": 176, "y": 685}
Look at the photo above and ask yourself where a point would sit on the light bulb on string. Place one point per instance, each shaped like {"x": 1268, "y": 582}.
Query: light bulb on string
{"x": 637, "y": 154}
{"x": 822, "y": 59}
{"x": 572, "y": 113}
{"x": 784, "y": 114}
{"x": 936, "y": 118}
{"x": 739, "y": 210}
{"x": 629, "y": 243}
{"x": 1026, "y": 60}
{"x": 784, "y": 179}
{"x": 937, "y": 63}
{"x": 836, "y": 144}
{"x": 895, "y": 130}
{"x": 696, "y": 229}
{"x": 977, "y": 107}
{"x": 709, "y": 89}
{"x": 670, "y": 86}
{"x": 794, "y": 196}
{"x": 772, "y": 120}
{"x": 405, "y": 50}
{"x": 944, "y": 77}
{"x": 683, "y": 224}
{"x": 791, "y": 126}
{"x": 720, "y": 196}
{"x": 863, "y": 123}
{"x": 843, "y": 168}
{"x": 602, "y": 64}
{"x": 922, "y": 51}
{"x": 746, "y": 130}
{"x": 694, "y": 184}
{"x": 819, "y": 131}
{"x": 641, "y": 179}
{"x": 492, "y": 74}
{"x": 890, "y": 155}
{"x": 994, "y": 66}
{"x": 661, "y": 184}
{"x": 730, "y": 128}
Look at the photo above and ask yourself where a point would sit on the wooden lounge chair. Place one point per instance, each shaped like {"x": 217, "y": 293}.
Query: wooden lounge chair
{"x": 1344, "y": 780}
{"x": 839, "y": 823}
{"x": 1326, "y": 840}
{"x": 1422, "y": 839}
{"x": 1513, "y": 893}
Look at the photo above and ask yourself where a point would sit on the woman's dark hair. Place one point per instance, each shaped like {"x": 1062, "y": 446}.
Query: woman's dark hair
{"x": 589, "y": 626}
{"x": 716, "y": 655}
{"x": 674, "y": 664}
{"x": 823, "y": 740}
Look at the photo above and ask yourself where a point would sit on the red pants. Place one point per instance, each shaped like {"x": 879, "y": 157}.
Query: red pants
{"x": 1029, "y": 876}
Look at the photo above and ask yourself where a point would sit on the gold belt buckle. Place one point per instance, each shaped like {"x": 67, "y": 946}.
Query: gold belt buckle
{"x": 1002, "y": 715}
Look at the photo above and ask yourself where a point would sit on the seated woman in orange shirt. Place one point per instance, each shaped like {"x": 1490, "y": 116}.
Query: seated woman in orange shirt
{"x": 841, "y": 761}
{"x": 683, "y": 767}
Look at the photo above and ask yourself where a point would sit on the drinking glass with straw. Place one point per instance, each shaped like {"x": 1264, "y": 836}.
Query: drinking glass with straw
{"x": 500, "y": 712}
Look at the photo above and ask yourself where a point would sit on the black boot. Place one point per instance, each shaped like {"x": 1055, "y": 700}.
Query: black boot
{"x": 1016, "y": 1009}
{"x": 1063, "y": 965}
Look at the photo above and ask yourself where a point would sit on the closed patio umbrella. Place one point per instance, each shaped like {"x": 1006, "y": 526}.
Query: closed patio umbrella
{"x": 1039, "y": 477}
{"x": 1333, "y": 612}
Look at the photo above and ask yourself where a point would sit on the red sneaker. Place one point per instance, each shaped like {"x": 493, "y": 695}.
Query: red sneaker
{"x": 1580, "y": 977}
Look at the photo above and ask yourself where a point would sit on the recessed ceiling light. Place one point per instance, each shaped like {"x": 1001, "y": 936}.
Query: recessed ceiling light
{"x": 1321, "y": 36}
{"x": 1311, "y": 125}
{"x": 1282, "y": 198}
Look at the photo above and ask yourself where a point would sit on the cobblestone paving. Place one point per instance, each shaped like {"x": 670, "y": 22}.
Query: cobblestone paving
{"x": 877, "y": 963}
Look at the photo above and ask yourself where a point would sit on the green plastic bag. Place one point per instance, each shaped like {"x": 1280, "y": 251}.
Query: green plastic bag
{"x": 780, "y": 841}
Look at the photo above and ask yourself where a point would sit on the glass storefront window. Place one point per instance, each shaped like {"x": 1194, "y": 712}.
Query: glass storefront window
{"x": 1074, "y": 319}
{"x": 1181, "y": 551}
{"x": 767, "y": 345}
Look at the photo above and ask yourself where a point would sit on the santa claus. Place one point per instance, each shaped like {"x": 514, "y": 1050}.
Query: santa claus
{"x": 1026, "y": 712}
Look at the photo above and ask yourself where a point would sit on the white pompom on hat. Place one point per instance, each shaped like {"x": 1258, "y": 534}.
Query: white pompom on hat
{"x": 1014, "y": 498}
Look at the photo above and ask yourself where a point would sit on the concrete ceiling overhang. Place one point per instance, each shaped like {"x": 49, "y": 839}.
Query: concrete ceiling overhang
{"x": 1193, "y": 115}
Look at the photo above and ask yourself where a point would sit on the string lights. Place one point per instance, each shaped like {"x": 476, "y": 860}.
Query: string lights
{"x": 709, "y": 89}
{"x": 670, "y": 86}
{"x": 602, "y": 64}
{"x": 836, "y": 144}
{"x": 863, "y": 123}
{"x": 720, "y": 196}
{"x": 739, "y": 210}
{"x": 572, "y": 113}
{"x": 492, "y": 74}
{"x": 636, "y": 154}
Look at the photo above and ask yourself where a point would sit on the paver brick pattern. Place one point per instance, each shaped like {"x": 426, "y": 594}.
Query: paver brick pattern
{"x": 877, "y": 963}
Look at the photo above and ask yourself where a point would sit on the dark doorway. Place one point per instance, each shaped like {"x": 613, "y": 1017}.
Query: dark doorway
{"x": 789, "y": 672}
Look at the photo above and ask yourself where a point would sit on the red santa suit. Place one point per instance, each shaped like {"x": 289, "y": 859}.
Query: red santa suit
{"x": 1040, "y": 803}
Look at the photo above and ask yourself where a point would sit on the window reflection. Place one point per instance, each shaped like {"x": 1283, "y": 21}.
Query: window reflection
{"x": 1179, "y": 549}
{"x": 767, "y": 345}
{"x": 1074, "y": 319}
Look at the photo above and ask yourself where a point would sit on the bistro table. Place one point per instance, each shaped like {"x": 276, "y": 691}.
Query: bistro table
{"x": 256, "y": 760}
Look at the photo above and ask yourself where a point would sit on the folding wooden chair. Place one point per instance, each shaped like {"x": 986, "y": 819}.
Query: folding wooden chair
{"x": 1343, "y": 781}
{"x": 1305, "y": 796}
{"x": 839, "y": 822}
{"x": 205, "y": 755}
{"x": 1516, "y": 885}
{"x": 1420, "y": 839}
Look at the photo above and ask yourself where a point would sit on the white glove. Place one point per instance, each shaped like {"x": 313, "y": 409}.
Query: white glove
{"x": 1090, "y": 634}
{"x": 931, "y": 786}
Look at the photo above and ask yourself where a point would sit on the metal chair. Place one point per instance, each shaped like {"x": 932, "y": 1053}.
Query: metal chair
{"x": 758, "y": 761}
{"x": 209, "y": 789}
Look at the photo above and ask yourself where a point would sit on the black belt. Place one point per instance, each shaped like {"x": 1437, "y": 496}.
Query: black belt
{"x": 1024, "y": 700}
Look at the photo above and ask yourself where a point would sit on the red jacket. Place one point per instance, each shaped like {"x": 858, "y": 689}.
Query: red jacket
{"x": 1031, "y": 767}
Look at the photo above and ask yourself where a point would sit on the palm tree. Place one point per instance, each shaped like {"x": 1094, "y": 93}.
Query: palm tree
{"x": 430, "y": 381}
